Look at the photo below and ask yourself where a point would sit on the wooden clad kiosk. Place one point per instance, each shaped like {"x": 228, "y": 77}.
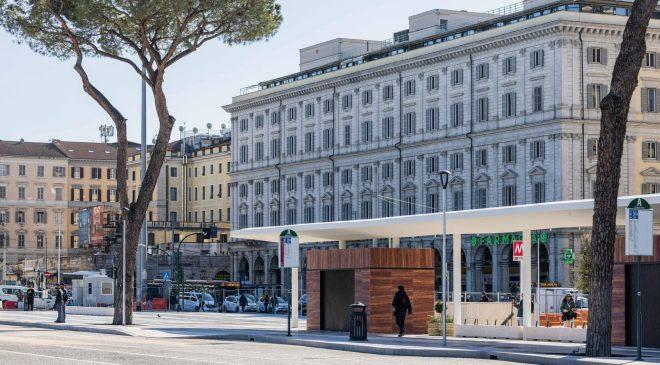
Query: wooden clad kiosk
{"x": 337, "y": 278}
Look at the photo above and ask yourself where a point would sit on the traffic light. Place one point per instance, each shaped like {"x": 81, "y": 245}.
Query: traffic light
{"x": 210, "y": 232}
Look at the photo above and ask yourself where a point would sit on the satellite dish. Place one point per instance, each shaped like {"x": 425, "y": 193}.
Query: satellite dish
{"x": 181, "y": 128}
{"x": 195, "y": 130}
{"x": 209, "y": 125}
{"x": 223, "y": 126}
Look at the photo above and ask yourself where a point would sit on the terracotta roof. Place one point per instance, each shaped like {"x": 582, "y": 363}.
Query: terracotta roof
{"x": 30, "y": 149}
{"x": 91, "y": 150}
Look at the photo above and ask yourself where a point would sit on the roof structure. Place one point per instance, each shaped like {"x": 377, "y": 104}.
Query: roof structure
{"x": 553, "y": 215}
{"x": 29, "y": 149}
{"x": 92, "y": 150}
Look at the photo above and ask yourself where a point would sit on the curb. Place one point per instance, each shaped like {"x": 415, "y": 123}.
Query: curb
{"x": 358, "y": 347}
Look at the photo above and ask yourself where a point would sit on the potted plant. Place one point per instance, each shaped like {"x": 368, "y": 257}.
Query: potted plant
{"x": 435, "y": 322}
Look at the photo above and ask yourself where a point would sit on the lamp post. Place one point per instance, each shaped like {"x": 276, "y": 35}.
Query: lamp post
{"x": 123, "y": 267}
{"x": 58, "y": 241}
{"x": 4, "y": 249}
{"x": 444, "y": 181}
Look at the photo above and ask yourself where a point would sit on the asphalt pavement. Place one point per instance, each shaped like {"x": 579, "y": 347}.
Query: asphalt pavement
{"x": 19, "y": 345}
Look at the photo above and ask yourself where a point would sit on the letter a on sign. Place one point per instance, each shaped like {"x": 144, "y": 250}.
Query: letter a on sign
{"x": 517, "y": 250}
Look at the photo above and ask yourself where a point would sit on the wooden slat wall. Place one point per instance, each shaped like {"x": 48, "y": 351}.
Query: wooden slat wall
{"x": 619, "y": 305}
{"x": 620, "y": 252}
{"x": 313, "y": 300}
{"x": 370, "y": 258}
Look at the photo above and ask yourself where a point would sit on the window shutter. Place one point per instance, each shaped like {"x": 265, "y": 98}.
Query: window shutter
{"x": 72, "y": 169}
{"x": 531, "y": 151}
{"x": 503, "y": 154}
{"x": 603, "y": 56}
{"x": 531, "y": 59}
{"x": 486, "y": 70}
{"x": 82, "y": 172}
{"x": 504, "y": 66}
{"x": 542, "y": 57}
{"x": 514, "y": 154}
{"x": 542, "y": 149}
{"x": 590, "y": 54}
{"x": 107, "y": 195}
{"x": 591, "y": 144}
{"x": 453, "y": 115}
{"x": 513, "y": 64}
{"x": 478, "y": 109}
{"x": 655, "y": 56}
{"x": 503, "y": 106}
{"x": 645, "y": 188}
{"x": 514, "y": 104}
{"x": 645, "y": 99}
{"x": 428, "y": 119}
{"x": 604, "y": 88}
{"x": 657, "y": 101}
{"x": 590, "y": 96}
{"x": 645, "y": 149}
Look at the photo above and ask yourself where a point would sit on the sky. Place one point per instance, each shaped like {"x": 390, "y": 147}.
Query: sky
{"x": 41, "y": 98}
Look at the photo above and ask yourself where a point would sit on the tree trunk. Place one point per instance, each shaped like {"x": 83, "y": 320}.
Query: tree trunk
{"x": 614, "y": 115}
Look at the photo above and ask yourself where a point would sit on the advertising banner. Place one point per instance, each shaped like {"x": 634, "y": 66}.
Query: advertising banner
{"x": 83, "y": 227}
{"x": 96, "y": 226}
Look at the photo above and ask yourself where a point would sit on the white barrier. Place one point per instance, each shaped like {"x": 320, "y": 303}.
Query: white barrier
{"x": 483, "y": 313}
{"x": 90, "y": 311}
{"x": 509, "y": 332}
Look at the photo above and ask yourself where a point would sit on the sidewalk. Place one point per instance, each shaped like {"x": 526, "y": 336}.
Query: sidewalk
{"x": 272, "y": 329}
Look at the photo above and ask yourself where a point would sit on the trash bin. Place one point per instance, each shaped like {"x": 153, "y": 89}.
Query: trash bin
{"x": 357, "y": 326}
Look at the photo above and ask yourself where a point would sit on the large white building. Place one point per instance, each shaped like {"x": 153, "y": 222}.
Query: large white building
{"x": 508, "y": 101}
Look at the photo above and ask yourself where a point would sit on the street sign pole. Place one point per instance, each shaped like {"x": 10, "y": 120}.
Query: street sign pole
{"x": 289, "y": 255}
{"x": 639, "y": 308}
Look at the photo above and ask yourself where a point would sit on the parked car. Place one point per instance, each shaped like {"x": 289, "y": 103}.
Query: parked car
{"x": 209, "y": 302}
{"x": 189, "y": 302}
{"x": 230, "y": 304}
{"x": 281, "y": 307}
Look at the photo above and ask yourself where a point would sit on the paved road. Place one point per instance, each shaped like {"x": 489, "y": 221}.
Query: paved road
{"x": 20, "y": 345}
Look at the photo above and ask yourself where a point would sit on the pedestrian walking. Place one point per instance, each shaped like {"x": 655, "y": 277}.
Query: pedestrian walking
{"x": 568, "y": 313}
{"x": 518, "y": 303}
{"x": 266, "y": 300}
{"x": 273, "y": 304}
{"x": 402, "y": 306}
{"x": 242, "y": 302}
{"x": 29, "y": 298}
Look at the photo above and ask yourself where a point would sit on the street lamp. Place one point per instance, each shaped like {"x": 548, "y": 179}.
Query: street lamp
{"x": 444, "y": 181}
{"x": 4, "y": 249}
{"x": 123, "y": 268}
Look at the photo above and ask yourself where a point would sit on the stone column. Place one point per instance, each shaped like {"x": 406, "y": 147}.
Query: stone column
{"x": 526, "y": 279}
{"x": 495, "y": 255}
{"x": 374, "y": 242}
{"x": 266, "y": 267}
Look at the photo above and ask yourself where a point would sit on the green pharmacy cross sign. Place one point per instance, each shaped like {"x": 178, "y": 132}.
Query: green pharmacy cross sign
{"x": 506, "y": 239}
{"x": 569, "y": 256}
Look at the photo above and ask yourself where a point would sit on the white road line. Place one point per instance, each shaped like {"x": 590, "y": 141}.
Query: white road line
{"x": 55, "y": 357}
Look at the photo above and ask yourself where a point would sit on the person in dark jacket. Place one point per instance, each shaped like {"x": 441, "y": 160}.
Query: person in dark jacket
{"x": 59, "y": 303}
{"x": 484, "y": 297}
{"x": 29, "y": 298}
{"x": 242, "y": 302}
{"x": 402, "y": 306}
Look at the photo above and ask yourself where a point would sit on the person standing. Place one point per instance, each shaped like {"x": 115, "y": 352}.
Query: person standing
{"x": 273, "y": 304}
{"x": 30, "y": 298}
{"x": 266, "y": 301}
{"x": 242, "y": 302}
{"x": 59, "y": 298}
{"x": 519, "y": 306}
{"x": 402, "y": 306}
{"x": 567, "y": 308}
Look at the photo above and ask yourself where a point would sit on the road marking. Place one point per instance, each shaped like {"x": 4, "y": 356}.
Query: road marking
{"x": 55, "y": 357}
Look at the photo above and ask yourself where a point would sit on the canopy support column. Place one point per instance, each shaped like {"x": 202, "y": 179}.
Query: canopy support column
{"x": 526, "y": 279}
{"x": 456, "y": 244}
{"x": 395, "y": 242}
{"x": 342, "y": 245}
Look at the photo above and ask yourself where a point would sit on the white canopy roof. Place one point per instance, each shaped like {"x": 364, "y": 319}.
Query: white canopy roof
{"x": 560, "y": 214}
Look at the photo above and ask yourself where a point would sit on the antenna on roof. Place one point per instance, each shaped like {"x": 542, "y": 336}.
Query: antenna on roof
{"x": 106, "y": 130}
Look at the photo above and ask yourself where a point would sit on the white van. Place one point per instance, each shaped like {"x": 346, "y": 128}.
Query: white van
{"x": 42, "y": 300}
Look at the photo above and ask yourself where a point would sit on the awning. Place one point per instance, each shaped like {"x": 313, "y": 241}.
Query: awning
{"x": 552, "y": 215}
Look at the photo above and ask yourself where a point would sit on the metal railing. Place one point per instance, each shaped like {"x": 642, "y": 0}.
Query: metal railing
{"x": 507, "y": 9}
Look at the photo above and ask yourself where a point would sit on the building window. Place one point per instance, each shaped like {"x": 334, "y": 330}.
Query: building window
{"x": 40, "y": 240}
{"x": 243, "y": 154}
{"x": 432, "y": 119}
{"x": 388, "y": 92}
{"x": 537, "y": 150}
{"x": 509, "y": 105}
{"x": 650, "y": 188}
{"x": 77, "y": 172}
{"x": 409, "y": 88}
{"x": 291, "y": 216}
{"x": 432, "y": 164}
{"x": 96, "y": 173}
{"x": 243, "y": 191}
{"x": 595, "y": 94}
{"x": 458, "y": 200}
{"x": 258, "y": 219}
{"x": 367, "y": 97}
{"x": 482, "y": 71}
{"x": 539, "y": 192}
{"x": 243, "y": 123}
{"x": 388, "y": 170}
{"x": 456, "y": 161}
{"x": 457, "y": 77}
{"x": 292, "y": 114}
{"x": 21, "y": 170}
{"x": 347, "y": 135}
{"x": 258, "y": 153}
{"x": 309, "y": 181}
{"x": 328, "y": 138}
{"x": 309, "y": 141}
{"x": 40, "y": 193}
{"x": 365, "y": 133}
{"x": 275, "y": 118}
{"x": 432, "y": 202}
{"x": 21, "y": 193}
{"x": 309, "y": 110}
{"x": 59, "y": 171}
{"x": 409, "y": 123}
{"x": 40, "y": 217}
{"x": 481, "y": 198}
{"x": 509, "y": 195}
{"x": 649, "y": 100}
{"x": 275, "y": 148}
{"x": 259, "y": 121}
{"x": 409, "y": 205}
{"x": 291, "y": 183}
{"x": 59, "y": 194}
{"x": 597, "y": 55}
{"x": 432, "y": 83}
{"x": 291, "y": 145}
{"x": 21, "y": 240}
{"x": 509, "y": 154}
{"x": 347, "y": 101}
{"x": 409, "y": 168}
{"x": 4, "y": 170}
{"x": 41, "y": 171}
{"x": 308, "y": 215}
{"x": 536, "y": 58}
{"x": 274, "y": 217}
{"x": 509, "y": 65}
{"x": 346, "y": 211}
{"x": 275, "y": 186}
{"x": 366, "y": 209}
{"x": 482, "y": 158}
{"x": 388, "y": 128}
{"x": 365, "y": 174}
{"x": 482, "y": 109}
{"x": 174, "y": 194}
{"x": 20, "y": 216}
{"x": 346, "y": 176}
{"x": 258, "y": 188}
{"x": 650, "y": 59}
{"x": 328, "y": 178}
{"x": 387, "y": 207}
{"x": 3, "y": 192}
{"x": 328, "y": 106}
{"x": 649, "y": 150}
{"x": 456, "y": 114}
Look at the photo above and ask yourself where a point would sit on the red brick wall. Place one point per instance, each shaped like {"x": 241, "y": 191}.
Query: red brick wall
{"x": 313, "y": 300}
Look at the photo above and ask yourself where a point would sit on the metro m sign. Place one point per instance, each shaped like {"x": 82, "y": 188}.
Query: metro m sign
{"x": 517, "y": 250}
